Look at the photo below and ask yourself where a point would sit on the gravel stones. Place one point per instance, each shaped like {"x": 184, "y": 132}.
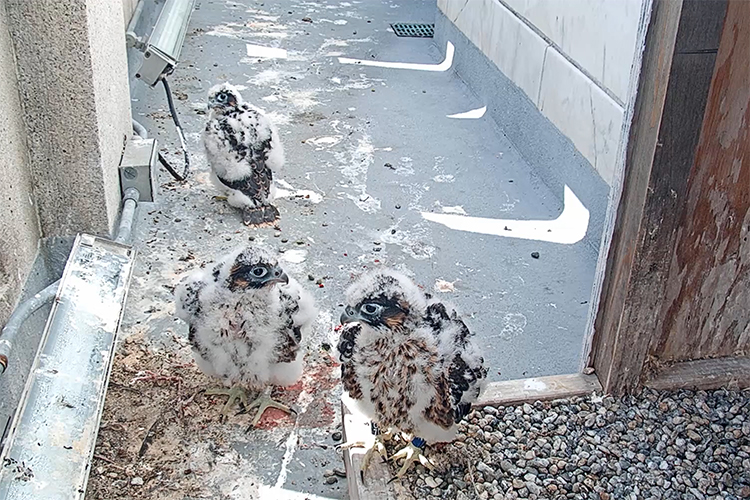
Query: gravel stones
{"x": 658, "y": 445}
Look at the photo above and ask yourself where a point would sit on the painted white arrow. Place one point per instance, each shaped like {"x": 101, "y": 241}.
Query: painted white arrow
{"x": 570, "y": 227}
{"x": 474, "y": 113}
{"x": 265, "y": 52}
{"x": 443, "y": 66}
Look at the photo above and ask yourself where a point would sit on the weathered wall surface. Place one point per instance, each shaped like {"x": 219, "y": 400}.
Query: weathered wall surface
{"x": 598, "y": 35}
{"x": 73, "y": 83}
{"x": 65, "y": 114}
{"x": 571, "y": 58}
{"x": 705, "y": 312}
{"x": 19, "y": 225}
{"x": 109, "y": 74}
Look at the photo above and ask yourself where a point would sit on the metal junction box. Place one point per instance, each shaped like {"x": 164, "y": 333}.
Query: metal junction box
{"x": 137, "y": 167}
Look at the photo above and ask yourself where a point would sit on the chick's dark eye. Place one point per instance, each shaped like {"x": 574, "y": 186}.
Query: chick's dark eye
{"x": 370, "y": 308}
{"x": 221, "y": 98}
{"x": 259, "y": 271}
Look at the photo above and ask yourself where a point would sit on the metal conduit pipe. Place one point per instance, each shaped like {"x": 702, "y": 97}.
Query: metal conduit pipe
{"x": 19, "y": 316}
{"x": 30, "y": 306}
{"x": 129, "y": 202}
{"x": 139, "y": 129}
{"x": 131, "y": 38}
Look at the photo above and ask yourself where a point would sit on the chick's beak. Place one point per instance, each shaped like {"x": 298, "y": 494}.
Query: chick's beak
{"x": 349, "y": 316}
{"x": 279, "y": 276}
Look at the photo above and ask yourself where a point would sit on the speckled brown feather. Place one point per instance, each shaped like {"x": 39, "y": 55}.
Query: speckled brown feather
{"x": 349, "y": 381}
{"x": 395, "y": 367}
{"x": 440, "y": 410}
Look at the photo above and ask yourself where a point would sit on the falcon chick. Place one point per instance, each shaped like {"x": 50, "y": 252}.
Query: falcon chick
{"x": 407, "y": 362}
{"x": 246, "y": 320}
{"x": 243, "y": 148}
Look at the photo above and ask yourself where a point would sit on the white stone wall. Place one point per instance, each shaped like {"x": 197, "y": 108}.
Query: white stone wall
{"x": 109, "y": 78}
{"x": 572, "y": 58}
{"x": 19, "y": 225}
{"x": 71, "y": 66}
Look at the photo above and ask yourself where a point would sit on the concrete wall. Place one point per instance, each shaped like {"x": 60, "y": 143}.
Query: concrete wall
{"x": 72, "y": 75}
{"x": 111, "y": 88}
{"x": 19, "y": 225}
{"x": 571, "y": 58}
{"x": 65, "y": 115}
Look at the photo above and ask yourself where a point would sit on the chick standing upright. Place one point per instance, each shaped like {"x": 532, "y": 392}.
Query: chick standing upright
{"x": 243, "y": 148}
{"x": 408, "y": 362}
{"x": 246, "y": 320}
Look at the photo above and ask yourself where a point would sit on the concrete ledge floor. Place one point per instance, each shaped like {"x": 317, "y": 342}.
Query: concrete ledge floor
{"x": 368, "y": 149}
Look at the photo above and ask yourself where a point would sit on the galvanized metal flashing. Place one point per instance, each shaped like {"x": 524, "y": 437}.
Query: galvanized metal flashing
{"x": 51, "y": 442}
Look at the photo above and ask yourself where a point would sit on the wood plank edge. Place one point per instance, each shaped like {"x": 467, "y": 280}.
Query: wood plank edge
{"x": 512, "y": 392}
{"x": 705, "y": 375}
{"x": 352, "y": 479}
{"x": 377, "y": 486}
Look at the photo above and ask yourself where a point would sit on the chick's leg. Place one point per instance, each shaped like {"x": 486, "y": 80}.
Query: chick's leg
{"x": 412, "y": 453}
{"x": 378, "y": 447}
{"x": 236, "y": 394}
{"x": 264, "y": 402}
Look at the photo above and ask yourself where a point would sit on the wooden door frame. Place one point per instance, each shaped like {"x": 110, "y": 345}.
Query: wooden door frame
{"x": 662, "y": 133}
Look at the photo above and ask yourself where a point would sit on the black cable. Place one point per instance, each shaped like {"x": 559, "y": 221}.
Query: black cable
{"x": 180, "y": 134}
{"x": 171, "y": 102}
{"x": 169, "y": 168}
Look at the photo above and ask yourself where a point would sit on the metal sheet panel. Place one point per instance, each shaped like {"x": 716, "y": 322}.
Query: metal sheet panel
{"x": 48, "y": 452}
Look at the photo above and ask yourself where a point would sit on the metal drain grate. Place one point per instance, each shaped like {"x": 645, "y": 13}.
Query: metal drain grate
{"x": 414, "y": 30}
